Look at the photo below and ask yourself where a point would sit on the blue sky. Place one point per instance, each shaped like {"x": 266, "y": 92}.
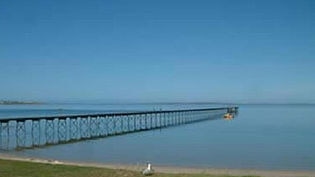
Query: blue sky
{"x": 158, "y": 50}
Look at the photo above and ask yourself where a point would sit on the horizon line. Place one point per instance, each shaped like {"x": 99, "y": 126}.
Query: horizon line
{"x": 98, "y": 102}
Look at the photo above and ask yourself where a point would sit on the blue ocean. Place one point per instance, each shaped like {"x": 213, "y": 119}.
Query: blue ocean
{"x": 276, "y": 137}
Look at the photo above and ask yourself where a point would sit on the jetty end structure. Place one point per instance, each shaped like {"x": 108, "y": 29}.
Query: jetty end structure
{"x": 30, "y": 132}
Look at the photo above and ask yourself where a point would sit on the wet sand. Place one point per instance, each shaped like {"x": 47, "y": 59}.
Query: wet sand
{"x": 168, "y": 169}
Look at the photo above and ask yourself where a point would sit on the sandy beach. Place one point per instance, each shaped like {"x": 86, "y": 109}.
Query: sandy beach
{"x": 170, "y": 169}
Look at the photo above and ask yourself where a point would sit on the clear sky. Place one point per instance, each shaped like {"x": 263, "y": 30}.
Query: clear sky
{"x": 157, "y": 50}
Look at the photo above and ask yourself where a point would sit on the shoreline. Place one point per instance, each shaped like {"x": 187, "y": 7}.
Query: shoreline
{"x": 169, "y": 169}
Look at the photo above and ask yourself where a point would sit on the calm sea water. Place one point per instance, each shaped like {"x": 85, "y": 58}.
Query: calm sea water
{"x": 261, "y": 137}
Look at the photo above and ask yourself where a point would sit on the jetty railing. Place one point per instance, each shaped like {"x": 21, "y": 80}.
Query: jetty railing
{"x": 29, "y": 132}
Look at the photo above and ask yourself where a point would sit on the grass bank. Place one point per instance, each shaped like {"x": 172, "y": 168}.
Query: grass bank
{"x": 12, "y": 168}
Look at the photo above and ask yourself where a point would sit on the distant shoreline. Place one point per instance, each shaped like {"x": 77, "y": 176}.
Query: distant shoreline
{"x": 19, "y": 102}
{"x": 9, "y": 102}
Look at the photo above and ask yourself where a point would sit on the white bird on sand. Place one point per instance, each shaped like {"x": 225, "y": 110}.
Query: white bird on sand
{"x": 148, "y": 171}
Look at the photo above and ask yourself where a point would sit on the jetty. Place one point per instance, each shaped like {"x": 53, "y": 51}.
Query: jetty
{"x": 30, "y": 132}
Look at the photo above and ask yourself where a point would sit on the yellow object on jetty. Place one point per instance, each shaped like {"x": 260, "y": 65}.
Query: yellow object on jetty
{"x": 228, "y": 116}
